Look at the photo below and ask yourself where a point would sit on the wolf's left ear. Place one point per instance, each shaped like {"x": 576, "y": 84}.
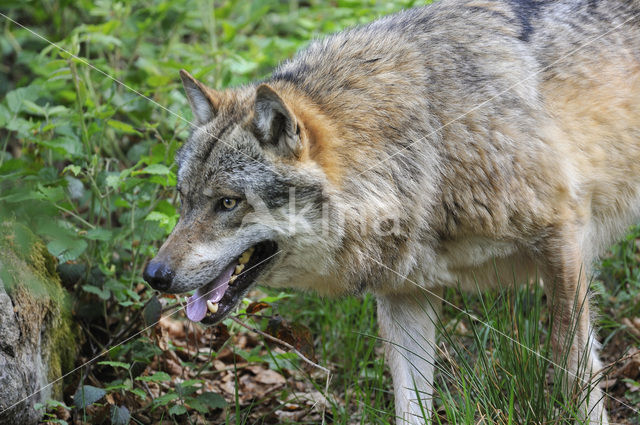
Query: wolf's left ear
{"x": 204, "y": 104}
{"x": 276, "y": 123}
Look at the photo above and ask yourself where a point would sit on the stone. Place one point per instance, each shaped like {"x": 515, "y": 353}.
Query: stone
{"x": 38, "y": 338}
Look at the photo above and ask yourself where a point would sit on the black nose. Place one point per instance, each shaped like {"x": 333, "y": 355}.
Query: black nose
{"x": 158, "y": 275}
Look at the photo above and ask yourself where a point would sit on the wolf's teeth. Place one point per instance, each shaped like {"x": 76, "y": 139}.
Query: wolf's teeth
{"x": 244, "y": 258}
{"x": 213, "y": 307}
{"x": 233, "y": 279}
{"x": 239, "y": 268}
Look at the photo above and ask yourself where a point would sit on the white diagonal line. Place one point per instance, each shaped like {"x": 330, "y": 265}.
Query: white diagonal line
{"x": 582, "y": 46}
{"x": 128, "y": 87}
{"x": 504, "y": 335}
{"x": 126, "y": 340}
{"x": 380, "y": 162}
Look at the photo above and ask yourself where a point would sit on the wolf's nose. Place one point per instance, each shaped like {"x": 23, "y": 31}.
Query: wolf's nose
{"x": 158, "y": 275}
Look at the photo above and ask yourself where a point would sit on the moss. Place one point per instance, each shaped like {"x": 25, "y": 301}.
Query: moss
{"x": 43, "y": 306}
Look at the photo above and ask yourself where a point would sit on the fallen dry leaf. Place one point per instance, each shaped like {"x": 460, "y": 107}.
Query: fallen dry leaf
{"x": 633, "y": 326}
{"x": 631, "y": 368}
{"x": 257, "y": 306}
{"x": 269, "y": 377}
{"x": 295, "y": 334}
{"x": 174, "y": 328}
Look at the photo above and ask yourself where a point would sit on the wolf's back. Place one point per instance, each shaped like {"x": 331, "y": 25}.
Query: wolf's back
{"x": 511, "y": 93}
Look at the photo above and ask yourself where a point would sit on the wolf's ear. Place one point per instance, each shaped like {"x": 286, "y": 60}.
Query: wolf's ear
{"x": 276, "y": 123}
{"x": 203, "y": 100}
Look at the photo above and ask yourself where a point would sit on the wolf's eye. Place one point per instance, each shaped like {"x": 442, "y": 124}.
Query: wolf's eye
{"x": 228, "y": 203}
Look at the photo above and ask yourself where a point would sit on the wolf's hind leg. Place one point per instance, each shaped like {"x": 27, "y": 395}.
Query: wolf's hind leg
{"x": 408, "y": 323}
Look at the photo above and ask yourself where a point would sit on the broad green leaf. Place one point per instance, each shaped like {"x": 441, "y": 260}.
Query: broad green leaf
{"x": 5, "y": 115}
{"x": 165, "y": 215}
{"x": 115, "y": 364}
{"x": 21, "y": 196}
{"x": 123, "y": 127}
{"x": 20, "y": 126}
{"x": 198, "y": 405}
{"x": 152, "y": 311}
{"x": 70, "y": 146}
{"x": 120, "y": 415}
{"x": 34, "y": 108}
{"x": 156, "y": 377}
{"x": 75, "y": 169}
{"x": 86, "y": 395}
{"x": 155, "y": 169}
{"x": 67, "y": 249}
{"x": 213, "y": 400}
{"x": 99, "y": 234}
{"x": 103, "y": 294}
{"x": 15, "y": 98}
{"x": 139, "y": 392}
{"x": 177, "y": 409}
{"x": 165, "y": 399}
{"x": 52, "y": 194}
{"x": 113, "y": 181}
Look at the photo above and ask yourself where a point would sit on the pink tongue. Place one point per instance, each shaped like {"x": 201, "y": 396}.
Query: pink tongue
{"x": 197, "y": 303}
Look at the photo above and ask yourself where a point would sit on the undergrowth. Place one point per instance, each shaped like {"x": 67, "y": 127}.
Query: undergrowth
{"x": 87, "y": 163}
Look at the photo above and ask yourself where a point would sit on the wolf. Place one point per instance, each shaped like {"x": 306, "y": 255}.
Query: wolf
{"x": 465, "y": 143}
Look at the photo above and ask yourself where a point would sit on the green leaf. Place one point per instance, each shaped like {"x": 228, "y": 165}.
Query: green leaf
{"x": 120, "y": 415}
{"x": 213, "y": 400}
{"x": 239, "y": 65}
{"x": 21, "y": 126}
{"x": 113, "y": 181}
{"x": 75, "y": 169}
{"x": 163, "y": 400}
{"x": 5, "y": 115}
{"x": 152, "y": 310}
{"x": 165, "y": 221}
{"x": 52, "y": 194}
{"x": 139, "y": 392}
{"x": 156, "y": 377}
{"x": 177, "y": 410}
{"x": 191, "y": 383}
{"x": 99, "y": 234}
{"x": 186, "y": 390}
{"x": 155, "y": 169}
{"x": 198, "y": 405}
{"x": 34, "y": 108}
{"x": 16, "y": 97}
{"x": 123, "y": 127}
{"x": 67, "y": 249}
{"x": 103, "y": 294}
{"x": 114, "y": 364}
{"x": 21, "y": 196}
{"x": 64, "y": 145}
{"x": 86, "y": 395}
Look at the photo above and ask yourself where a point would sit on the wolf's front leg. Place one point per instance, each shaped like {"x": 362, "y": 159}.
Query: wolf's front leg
{"x": 566, "y": 283}
{"x": 408, "y": 323}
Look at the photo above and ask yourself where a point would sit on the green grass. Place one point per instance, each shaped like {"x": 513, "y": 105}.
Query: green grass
{"x": 87, "y": 164}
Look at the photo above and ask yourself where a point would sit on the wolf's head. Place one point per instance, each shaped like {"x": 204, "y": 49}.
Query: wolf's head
{"x": 251, "y": 200}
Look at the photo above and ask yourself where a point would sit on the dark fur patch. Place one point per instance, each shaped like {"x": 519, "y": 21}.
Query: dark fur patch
{"x": 526, "y": 11}
{"x": 295, "y": 76}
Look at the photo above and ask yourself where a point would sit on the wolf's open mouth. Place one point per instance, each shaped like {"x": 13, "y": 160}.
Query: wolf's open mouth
{"x": 213, "y": 301}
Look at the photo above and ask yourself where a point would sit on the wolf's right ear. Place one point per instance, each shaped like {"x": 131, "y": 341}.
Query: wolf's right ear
{"x": 203, "y": 101}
